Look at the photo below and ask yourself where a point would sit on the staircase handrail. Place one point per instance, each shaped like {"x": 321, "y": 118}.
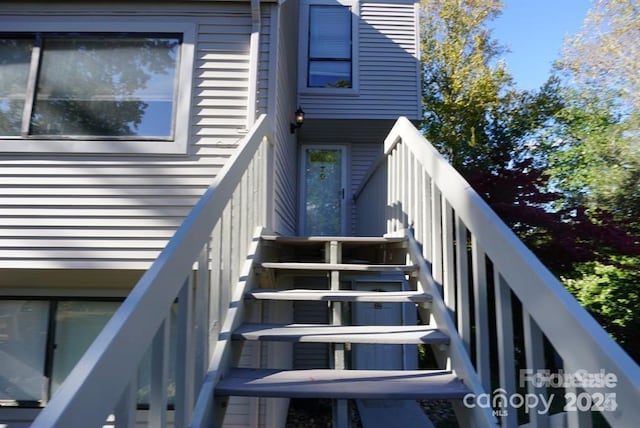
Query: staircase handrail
{"x": 104, "y": 375}
{"x": 579, "y": 340}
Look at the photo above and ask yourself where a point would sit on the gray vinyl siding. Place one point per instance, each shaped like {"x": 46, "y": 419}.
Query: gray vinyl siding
{"x": 284, "y": 105}
{"x": 363, "y": 156}
{"x": 103, "y": 211}
{"x": 388, "y": 72}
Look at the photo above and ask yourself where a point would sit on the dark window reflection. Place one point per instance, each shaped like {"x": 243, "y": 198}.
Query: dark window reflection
{"x": 15, "y": 58}
{"x": 106, "y": 87}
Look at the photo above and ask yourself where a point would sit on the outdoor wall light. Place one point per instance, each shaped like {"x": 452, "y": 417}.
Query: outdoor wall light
{"x": 299, "y": 120}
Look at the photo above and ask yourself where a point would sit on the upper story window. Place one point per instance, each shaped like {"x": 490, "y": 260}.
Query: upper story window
{"x": 114, "y": 92}
{"x": 328, "y": 46}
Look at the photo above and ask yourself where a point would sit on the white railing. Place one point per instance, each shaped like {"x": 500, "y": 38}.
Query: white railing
{"x": 206, "y": 258}
{"x": 503, "y": 300}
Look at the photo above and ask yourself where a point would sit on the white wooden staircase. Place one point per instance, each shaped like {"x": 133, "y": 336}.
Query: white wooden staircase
{"x": 469, "y": 290}
{"x": 342, "y": 263}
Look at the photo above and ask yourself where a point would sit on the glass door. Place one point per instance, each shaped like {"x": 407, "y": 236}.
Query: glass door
{"x": 323, "y": 210}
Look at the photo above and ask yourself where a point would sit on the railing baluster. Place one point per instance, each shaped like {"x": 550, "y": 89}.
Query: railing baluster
{"x": 483, "y": 366}
{"x": 436, "y": 233}
{"x": 426, "y": 239}
{"x": 244, "y": 211}
{"x": 158, "y": 400}
{"x": 215, "y": 290}
{"x": 448, "y": 265}
{"x": 125, "y": 411}
{"x": 577, "y": 419}
{"x": 462, "y": 279}
{"x": 226, "y": 258}
{"x": 416, "y": 197}
{"x": 506, "y": 348}
{"x": 184, "y": 354}
{"x": 534, "y": 355}
{"x": 201, "y": 318}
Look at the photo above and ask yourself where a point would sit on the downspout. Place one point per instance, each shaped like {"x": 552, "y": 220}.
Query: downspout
{"x": 254, "y": 48}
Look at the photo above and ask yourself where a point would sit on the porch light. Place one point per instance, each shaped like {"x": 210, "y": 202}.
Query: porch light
{"x": 299, "y": 120}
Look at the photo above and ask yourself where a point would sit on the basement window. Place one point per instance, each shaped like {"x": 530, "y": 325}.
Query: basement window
{"x": 41, "y": 340}
{"x": 59, "y": 89}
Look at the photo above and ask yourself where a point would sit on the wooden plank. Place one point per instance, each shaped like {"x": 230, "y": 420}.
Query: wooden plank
{"x": 338, "y": 267}
{"x": 340, "y": 295}
{"x": 343, "y": 239}
{"x": 382, "y": 334}
{"x": 356, "y": 384}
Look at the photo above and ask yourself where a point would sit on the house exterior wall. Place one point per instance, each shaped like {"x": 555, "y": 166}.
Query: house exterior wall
{"x": 283, "y": 104}
{"x": 386, "y": 62}
{"x": 116, "y": 211}
{"x": 88, "y": 224}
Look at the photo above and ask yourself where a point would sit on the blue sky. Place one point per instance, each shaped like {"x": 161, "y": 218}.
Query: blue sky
{"x": 533, "y": 30}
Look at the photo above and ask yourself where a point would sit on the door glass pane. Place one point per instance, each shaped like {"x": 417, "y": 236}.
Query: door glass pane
{"x": 15, "y": 59}
{"x": 77, "y": 325}
{"x": 323, "y": 199}
{"x": 99, "y": 86}
{"x": 23, "y": 340}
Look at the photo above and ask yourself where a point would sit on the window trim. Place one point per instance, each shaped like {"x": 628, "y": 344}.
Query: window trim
{"x": 117, "y": 146}
{"x": 303, "y": 48}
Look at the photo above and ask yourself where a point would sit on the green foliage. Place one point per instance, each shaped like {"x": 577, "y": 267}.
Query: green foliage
{"x": 472, "y": 111}
{"x": 611, "y": 291}
{"x": 560, "y": 165}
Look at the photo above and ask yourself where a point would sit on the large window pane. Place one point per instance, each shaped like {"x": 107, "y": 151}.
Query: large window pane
{"x": 78, "y": 323}
{"x": 23, "y": 340}
{"x": 106, "y": 86}
{"x": 15, "y": 58}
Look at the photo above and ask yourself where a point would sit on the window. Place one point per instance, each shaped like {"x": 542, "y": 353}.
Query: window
{"x": 105, "y": 89}
{"x": 329, "y": 47}
{"x": 42, "y": 340}
{"x": 89, "y": 85}
{"x": 328, "y": 54}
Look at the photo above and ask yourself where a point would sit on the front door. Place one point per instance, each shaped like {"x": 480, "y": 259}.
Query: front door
{"x": 323, "y": 210}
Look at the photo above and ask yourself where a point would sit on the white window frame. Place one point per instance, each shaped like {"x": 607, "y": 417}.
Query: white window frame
{"x": 303, "y": 48}
{"x": 177, "y": 145}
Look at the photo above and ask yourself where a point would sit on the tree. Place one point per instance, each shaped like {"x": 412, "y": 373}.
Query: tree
{"x": 598, "y": 163}
{"x": 547, "y": 161}
{"x": 605, "y": 55}
{"x": 593, "y": 153}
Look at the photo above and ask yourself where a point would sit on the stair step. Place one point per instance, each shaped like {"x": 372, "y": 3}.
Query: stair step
{"x": 342, "y": 384}
{"x": 351, "y": 267}
{"x": 340, "y": 295}
{"x": 379, "y": 334}
{"x": 372, "y": 240}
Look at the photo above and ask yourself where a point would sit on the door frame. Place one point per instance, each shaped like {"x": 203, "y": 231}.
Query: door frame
{"x": 344, "y": 208}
